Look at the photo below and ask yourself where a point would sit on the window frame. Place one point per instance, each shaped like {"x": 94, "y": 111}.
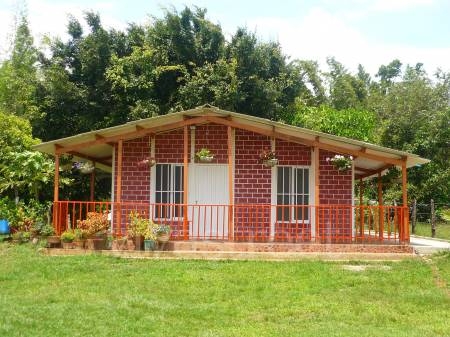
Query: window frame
{"x": 293, "y": 195}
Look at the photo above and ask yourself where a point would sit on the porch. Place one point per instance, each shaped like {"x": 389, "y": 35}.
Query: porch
{"x": 257, "y": 223}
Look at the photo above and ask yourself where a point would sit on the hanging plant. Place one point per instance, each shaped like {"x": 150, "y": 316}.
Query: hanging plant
{"x": 150, "y": 162}
{"x": 205, "y": 155}
{"x": 84, "y": 167}
{"x": 268, "y": 158}
{"x": 340, "y": 162}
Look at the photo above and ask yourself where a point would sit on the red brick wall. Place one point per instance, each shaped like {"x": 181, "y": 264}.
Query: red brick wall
{"x": 335, "y": 189}
{"x": 214, "y": 137}
{"x": 252, "y": 186}
{"x": 252, "y": 180}
{"x": 169, "y": 147}
{"x": 292, "y": 153}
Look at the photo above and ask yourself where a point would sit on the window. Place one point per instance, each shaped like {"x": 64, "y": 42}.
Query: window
{"x": 169, "y": 190}
{"x": 292, "y": 193}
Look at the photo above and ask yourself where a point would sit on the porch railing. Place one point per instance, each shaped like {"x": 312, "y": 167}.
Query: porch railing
{"x": 251, "y": 223}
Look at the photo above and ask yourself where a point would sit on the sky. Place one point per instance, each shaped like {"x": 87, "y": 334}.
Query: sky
{"x": 367, "y": 32}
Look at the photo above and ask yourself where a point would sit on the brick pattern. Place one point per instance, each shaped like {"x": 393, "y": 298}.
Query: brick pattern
{"x": 169, "y": 147}
{"x": 335, "y": 189}
{"x": 289, "y": 153}
{"x": 214, "y": 137}
{"x": 252, "y": 185}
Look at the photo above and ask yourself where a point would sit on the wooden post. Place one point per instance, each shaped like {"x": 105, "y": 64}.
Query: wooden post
{"x": 361, "y": 210}
{"x": 230, "y": 183}
{"x": 92, "y": 184}
{"x": 433, "y": 220}
{"x": 118, "y": 197}
{"x": 380, "y": 208}
{"x": 404, "y": 234}
{"x": 317, "y": 189}
{"x": 414, "y": 216}
{"x": 56, "y": 206}
{"x": 185, "y": 183}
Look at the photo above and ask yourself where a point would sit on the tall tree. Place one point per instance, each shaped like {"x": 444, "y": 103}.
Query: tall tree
{"x": 18, "y": 74}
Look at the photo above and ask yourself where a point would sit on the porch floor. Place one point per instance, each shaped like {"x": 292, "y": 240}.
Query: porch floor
{"x": 216, "y": 250}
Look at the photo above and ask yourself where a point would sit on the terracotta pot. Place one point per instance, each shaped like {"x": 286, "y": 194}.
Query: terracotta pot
{"x": 164, "y": 237}
{"x": 53, "y": 241}
{"x": 95, "y": 243}
{"x": 79, "y": 244}
{"x": 131, "y": 245}
{"x": 119, "y": 245}
{"x": 67, "y": 245}
{"x": 139, "y": 242}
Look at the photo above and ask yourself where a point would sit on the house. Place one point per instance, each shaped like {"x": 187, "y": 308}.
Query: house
{"x": 235, "y": 197}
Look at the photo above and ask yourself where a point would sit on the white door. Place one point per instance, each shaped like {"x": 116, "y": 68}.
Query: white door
{"x": 208, "y": 200}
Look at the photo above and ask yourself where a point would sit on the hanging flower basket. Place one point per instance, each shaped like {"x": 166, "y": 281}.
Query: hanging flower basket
{"x": 150, "y": 162}
{"x": 340, "y": 162}
{"x": 268, "y": 158}
{"x": 84, "y": 167}
{"x": 205, "y": 155}
{"x": 270, "y": 162}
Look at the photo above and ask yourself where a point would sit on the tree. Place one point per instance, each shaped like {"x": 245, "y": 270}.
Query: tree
{"x": 18, "y": 75}
{"x": 351, "y": 123}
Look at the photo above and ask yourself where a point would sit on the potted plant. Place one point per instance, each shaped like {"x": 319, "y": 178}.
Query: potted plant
{"x": 150, "y": 162}
{"x": 120, "y": 243}
{"x": 150, "y": 239}
{"x": 163, "y": 233}
{"x": 17, "y": 236}
{"x": 95, "y": 226}
{"x": 137, "y": 229}
{"x": 67, "y": 238}
{"x": 268, "y": 158}
{"x": 80, "y": 238}
{"x": 205, "y": 155}
{"x": 340, "y": 162}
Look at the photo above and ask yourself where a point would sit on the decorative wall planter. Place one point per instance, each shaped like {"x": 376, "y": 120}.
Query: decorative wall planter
{"x": 270, "y": 162}
{"x": 150, "y": 162}
{"x": 206, "y": 159}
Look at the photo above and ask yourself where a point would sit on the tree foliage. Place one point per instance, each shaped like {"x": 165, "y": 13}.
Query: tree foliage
{"x": 100, "y": 77}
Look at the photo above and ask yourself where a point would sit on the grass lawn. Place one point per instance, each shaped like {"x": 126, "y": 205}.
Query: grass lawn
{"x": 442, "y": 229}
{"x": 105, "y": 296}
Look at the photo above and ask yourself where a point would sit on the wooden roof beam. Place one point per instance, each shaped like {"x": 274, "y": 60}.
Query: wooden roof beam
{"x": 130, "y": 135}
{"x": 93, "y": 159}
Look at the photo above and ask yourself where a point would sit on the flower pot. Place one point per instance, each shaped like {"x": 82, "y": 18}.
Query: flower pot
{"x": 95, "y": 243}
{"x": 139, "y": 242}
{"x": 67, "y": 245}
{"x": 163, "y": 238}
{"x": 149, "y": 245}
{"x": 206, "y": 159}
{"x": 53, "y": 241}
{"x": 131, "y": 245}
{"x": 119, "y": 244}
{"x": 270, "y": 162}
{"x": 79, "y": 244}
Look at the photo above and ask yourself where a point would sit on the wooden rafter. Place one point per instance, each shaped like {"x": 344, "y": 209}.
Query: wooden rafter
{"x": 376, "y": 171}
{"x": 94, "y": 159}
{"x": 317, "y": 142}
{"x": 130, "y": 135}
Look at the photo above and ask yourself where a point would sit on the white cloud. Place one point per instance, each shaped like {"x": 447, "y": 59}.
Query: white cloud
{"x": 320, "y": 34}
{"x": 398, "y": 5}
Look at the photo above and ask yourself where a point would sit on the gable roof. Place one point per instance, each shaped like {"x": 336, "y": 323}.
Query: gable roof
{"x": 98, "y": 145}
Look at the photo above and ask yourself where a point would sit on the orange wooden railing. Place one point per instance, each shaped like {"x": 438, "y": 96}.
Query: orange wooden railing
{"x": 256, "y": 223}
